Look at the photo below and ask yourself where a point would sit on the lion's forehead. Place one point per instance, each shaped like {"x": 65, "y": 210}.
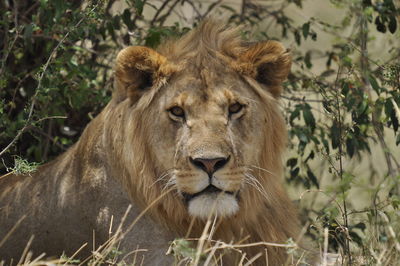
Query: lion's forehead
{"x": 212, "y": 93}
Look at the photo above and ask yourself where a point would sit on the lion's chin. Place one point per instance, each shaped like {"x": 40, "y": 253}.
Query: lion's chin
{"x": 211, "y": 204}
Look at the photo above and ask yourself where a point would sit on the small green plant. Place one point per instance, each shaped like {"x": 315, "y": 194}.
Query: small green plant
{"x": 22, "y": 166}
{"x": 68, "y": 260}
{"x": 183, "y": 250}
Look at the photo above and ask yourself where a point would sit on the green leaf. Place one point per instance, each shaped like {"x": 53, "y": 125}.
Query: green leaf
{"x": 297, "y": 37}
{"x": 327, "y": 73}
{"x": 126, "y": 18}
{"x": 360, "y": 226}
{"x": 312, "y": 178}
{"x": 327, "y": 106}
{"x": 335, "y": 135}
{"x": 394, "y": 120}
{"x": 295, "y": 114}
{"x": 389, "y": 109}
{"x": 307, "y": 59}
{"x": 326, "y": 145}
{"x": 313, "y": 36}
{"x": 310, "y": 156}
{"x": 332, "y": 211}
{"x": 356, "y": 238}
{"x": 139, "y": 7}
{"x": 294, "y": 173}
{"x": 153, "y": 38}
{"x": 330, "y": 57}
{"x": 182, "y": 247}
{"x": 306, "y": 30}
{"x": 392, "y": 24}
{"x": 379, "y": 25}
{"x": 110, "y": 29}
{"x": 309, "y": 117}
{"x": 374, "y": 84}
{"x": 350, "y": 146}
{"x": 116, "y": 22}
{"x": 362, "y": 107}
{"x": 60, "y": 8}
{"x": 231, "y": 9}
{"x": 298, "y": 3}
{"x": 302, "y": 137}
{"x": 345, "y": 183}
{"x": 43, "y": 3}
{"x": 345, "y": 89}
{"x": 395, "y": 201}
{"x": 28, "y": 35}
{"x": 315, "y": 139}
{"x": 291, "y": 162}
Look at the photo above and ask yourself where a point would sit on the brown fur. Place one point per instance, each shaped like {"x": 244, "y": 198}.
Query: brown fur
{"x": 129, "y": 146}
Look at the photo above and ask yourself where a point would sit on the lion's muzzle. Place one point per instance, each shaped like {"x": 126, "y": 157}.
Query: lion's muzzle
{"x": 209, "y": 165}
{"x": 212, "y": 202}
{"x": 208, "y": 190}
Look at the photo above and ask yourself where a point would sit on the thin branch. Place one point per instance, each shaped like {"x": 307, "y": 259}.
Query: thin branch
{"x": 211, "y": 7}
{"x": 303, "y": 99}
{"x": 194, "y": 8}
{"x": 339, "y": 120}
{"x": 164, "y": 4}
{"x": 243, "y": 10}
{"x": 6, "y": 54}
{"x": 166, "y": 15}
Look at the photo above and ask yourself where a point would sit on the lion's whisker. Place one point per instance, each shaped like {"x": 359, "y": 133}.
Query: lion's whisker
{"x": 257, "y": 188}
{"x": 170, "y": 183}
{"x": 254, "y": 178}
{"x": 163, "y": 175}
{"x": 251, "y": 100}
{"x": 251, "y": 180}
{"x": 263, "y": 169}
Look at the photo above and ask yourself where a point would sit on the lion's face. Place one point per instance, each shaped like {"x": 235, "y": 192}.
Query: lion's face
{"x": 208, "y": 128}
{"x": 212, "y": 119}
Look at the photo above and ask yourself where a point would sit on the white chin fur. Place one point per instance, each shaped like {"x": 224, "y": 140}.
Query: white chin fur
{"x": 223, "y": 205}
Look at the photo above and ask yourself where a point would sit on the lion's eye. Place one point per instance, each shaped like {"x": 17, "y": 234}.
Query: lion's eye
{"x": 177, "y": 111}
{"x": 235, "y": 108}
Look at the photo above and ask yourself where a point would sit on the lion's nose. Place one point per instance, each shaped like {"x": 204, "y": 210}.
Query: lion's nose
{"x": 208, "y": 165}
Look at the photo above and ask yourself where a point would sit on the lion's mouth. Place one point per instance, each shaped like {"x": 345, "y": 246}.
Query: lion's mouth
{"x": 210, "y": 189}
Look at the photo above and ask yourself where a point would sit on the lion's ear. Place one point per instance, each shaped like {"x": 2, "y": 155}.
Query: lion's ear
{"x": 267, "y": 62}
{"x": 137, "y": 69}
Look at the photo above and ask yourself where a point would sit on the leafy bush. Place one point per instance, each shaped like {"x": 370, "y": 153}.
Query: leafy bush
{"x": 341, "y": 100}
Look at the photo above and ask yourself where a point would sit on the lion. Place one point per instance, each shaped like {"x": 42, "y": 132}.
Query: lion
{"x": 193, "y": 132}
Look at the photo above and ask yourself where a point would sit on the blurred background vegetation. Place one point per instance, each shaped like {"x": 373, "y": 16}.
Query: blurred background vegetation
{"x": 341, "y": 101}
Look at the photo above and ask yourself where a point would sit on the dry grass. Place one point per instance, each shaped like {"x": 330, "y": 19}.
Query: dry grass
{"x": 207, "y": 251}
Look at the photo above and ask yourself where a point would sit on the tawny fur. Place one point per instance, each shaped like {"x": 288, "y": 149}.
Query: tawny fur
{"x": 122, "y": 153}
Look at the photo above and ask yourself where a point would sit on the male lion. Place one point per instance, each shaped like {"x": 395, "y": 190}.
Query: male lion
{"x": 193, "y": 131}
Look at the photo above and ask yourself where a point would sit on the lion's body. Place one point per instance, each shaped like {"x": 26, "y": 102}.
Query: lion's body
{"x": 137, "y": 150}
{"x": 68, "y": 203}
